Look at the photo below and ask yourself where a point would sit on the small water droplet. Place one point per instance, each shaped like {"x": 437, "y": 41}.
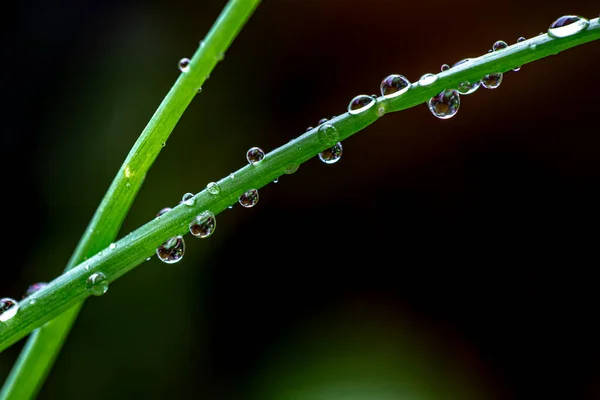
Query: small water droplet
{"x": 213, "y": 188}
{"x": 331, "y": 155}
{"x": 445, "y": 105}
{"x": 184, "y": 64}
{"x": 499, "y": 45}
{"x": 491, "y": 81}
{"x": 172, "y": 250}
{"x": 149, "y": 258}
{"x": 427, "y": 79}
{"x": 232, "y": 176}
{"x": 8, "y": 308}
{"x": 249, "y": 199}
{"x": 521, "y": 39}
{"x": 200, "y": 89}
{"x": 87, "y": 267}
{"x": 230, "y": 206}
{"x": 32, "y": 301}
{"x": 444, "y": 67}
{"x": 203, "y": 225}
{"x": 97, "y": 283}
{"x": 567, "y": 25}
{"x": 164, "y": 210}
{"x": 310, "y": 128}
{"x": 255, "y": 155}
{"x": 322, "y": 121}
{"x": 380, "y": 111}
{"x": 393, "y": 86}
{"x": 290, "y": 169}
{"x": 328, "y": 134}
{"x": 34, "y": 288}
{"x": 360, "y": 103}
{"x": 112, "y": 246}
{"x": 164, "y": 144}
{"x": 188, "y": 199}
{"x": 466, "y": 87}
{"x": 276, "y": 180}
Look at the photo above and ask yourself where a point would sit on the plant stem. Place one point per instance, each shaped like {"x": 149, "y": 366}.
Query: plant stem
{"x": 44, "y": 344}
{"x": 70, "y": 288}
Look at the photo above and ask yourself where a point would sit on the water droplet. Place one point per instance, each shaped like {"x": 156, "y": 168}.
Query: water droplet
{"x": 87, "y": 267}
{"x": 360, "y": 103}
{"x": 34, "y": 288}
{"x": 203, "y": 225}
{"x": 445, "y": 67}
{"x": 8, "y": 308}
{"x": 230, "y": 206}
{"x": 213, "y": 188}
{"x": 380, "y": 111}
{"x": 394, "y": 85}
{"x": 232, "y": 176}
{"x": 466, "y": 87}
{"x": 32, "y": 301}
{"x": 276, "y": 180}
{"x": 221, "y": 56}
{"x": 254, "y": 155}
{"x": 172, "y": 250}
{"x": 328, "y": 134}
{"x": 567, "y": 25}
{"x": 164, "y": 144}
{"x": 499, "y": 45}
{"x": 290, "y": 169}
{"x": 200, "y": 89}
{"x": 491, "y": 81}
{"x": 445, "y": 105}
{"x": 97, "y": 283}
{"x": 521, "y": 39}
{"x": 149, "y": 258}
{"x": 188, "y": 199}
{"x": 310, "y": 128}
{"x": 164, "y": 210}
{"x": 322, "y": 121}
{"x": 427, "y": 79}
{"x": 249, "y": 199}
{"x": 184, "y": 64}
{"x": 112, "y": 246}
{"x": 331, "y": 155}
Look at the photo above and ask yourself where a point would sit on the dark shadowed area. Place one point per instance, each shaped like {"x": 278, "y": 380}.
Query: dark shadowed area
{"x": 438, "y": 259}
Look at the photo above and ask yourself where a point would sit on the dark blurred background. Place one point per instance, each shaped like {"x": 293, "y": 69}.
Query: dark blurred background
{"x": 438, "y": 259}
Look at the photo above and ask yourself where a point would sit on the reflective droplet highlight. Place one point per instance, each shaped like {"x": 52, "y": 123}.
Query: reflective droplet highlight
{"x": 499, "y": 45}
{"x": 34, "y": 288}
{"x": 567, "y": 25}
{"x": 444, "y": 67}
{"x": 255, "y": 155}
{"x": 163, "y": 211}
{"x": 249, "y": 199}
{"x": 322, "y": 121}
{"x": 521, "y": 39}
{"x": 491, "y": 81}
{"x": 213, "y": 188}
{"x": 184, "y": 64}
{"x": 360, "y": 103}
{"x": 466, "y": 87}
{"x": 393, "y": 86}
{"x": 203, "y": 225}
{"x": 328, "y": 134}
{"x": 445, "y": 105}
{"x": 331, "y": 155}
{"x": 97, "y": 283}
{"x": 8, "y": 308}
{"x": 172, "y": 250}
{"x": 112, "y": 246}
{"x": 427, "y": 79}
{"x": 188, "y": 199}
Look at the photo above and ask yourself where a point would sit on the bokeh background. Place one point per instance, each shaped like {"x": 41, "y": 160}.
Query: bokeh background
{"x": 438, "y": 259}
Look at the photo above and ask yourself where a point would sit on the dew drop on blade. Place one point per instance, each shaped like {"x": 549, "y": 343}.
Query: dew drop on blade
{"x": 213, "y": 188}
{"x": 188, "y": 199}
{"x": 331, "y": 155}
{"x": 34, "y": 288}
{"x": 445, "y": 105}
{"x": 491, "y": 81}
{"x": 172, "y": 250}
{"x": 255, "y": 155}
{"x": 184, "y": 64}
{"x": 322, "y": 121}
{"x": 567, "y": 25}
{"x": 203, "y": 225}
{"x": 328, "y": 134}
{"x": 360, "y": 103}
{"x": 8, "y": 308}
{"x": 97, "y": 284}
{"x": 249, "y": 199}
{"x": 393, "y": 86}
{"x": 466, "y": 87}
{"x": 427, "y": 79}
{"x": 499, "y": 45}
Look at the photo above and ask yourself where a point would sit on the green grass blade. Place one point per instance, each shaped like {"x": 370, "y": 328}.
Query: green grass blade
{"x": 44, "y": 344}
{"x": 70, "y": 288}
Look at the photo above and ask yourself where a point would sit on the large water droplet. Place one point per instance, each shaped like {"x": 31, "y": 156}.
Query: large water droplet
{"x": 444, "y": 67}
{"x": 445, "y": 105}
{"x": 360, "y": 103}
{"x": 249, "y": 199}
{"x": 188, "y": 199}
{"x": 34, "y": 288}
{"x": 491, "y": 81}
{"x": 203, "y": 225}
{"x": 331, "y": 155}
{"x": 213, "y": 188}
{"x": 328, "y": 134}
{"x": 184, "y": 64}
{"x": 254, "y": 155}
{"x": 8, "y": 308}
{"x": 393, "y": 86}
{"x": 97, "y": 283}
{"x": 172, "y": 250}
{"x": 163, "y": 211}
{"x": 466, "y": 87}
{"x": 567, "y": 25}
{"x": 499, "y": 45}
{"x": 427, "y": 79}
